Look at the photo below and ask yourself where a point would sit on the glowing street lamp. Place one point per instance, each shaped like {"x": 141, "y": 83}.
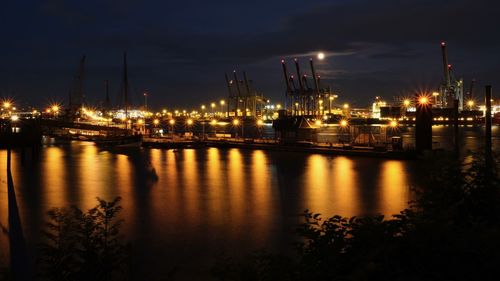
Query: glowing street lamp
{"x": 55, "y": 109}
{"x": 214, "y": 125}
{"x": 330, "y": 98}
{"x": 344, "y": 126}
{"x": 212, "y": 105}
{"x": 260, "y": 123}
{"x": 172, "y": 123}
{"x": 470, "y": 104}
{"x": 222, "y": 102}
{"x": 423, "y": 100}
{"x": 156, "y": 122}
{"x": 236, "y": 123}
{"x": 6, "y": 104}
{"x": 189, "y": 122}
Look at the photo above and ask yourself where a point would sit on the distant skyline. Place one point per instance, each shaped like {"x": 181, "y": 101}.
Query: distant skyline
{"x": 179, "y": 51}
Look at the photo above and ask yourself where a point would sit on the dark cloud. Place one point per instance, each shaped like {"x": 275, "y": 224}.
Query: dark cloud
{"x": 181, "y": 50}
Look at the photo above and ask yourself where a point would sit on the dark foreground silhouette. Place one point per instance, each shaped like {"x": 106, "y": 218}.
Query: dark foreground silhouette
{"x": 451, "y": 232}
{"x": 84, "y": 245}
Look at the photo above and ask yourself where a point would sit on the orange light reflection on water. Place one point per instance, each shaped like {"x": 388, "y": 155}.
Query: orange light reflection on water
{"x": 394, "y": 189}
{"x": 54, "y": 178}
{"x": 330, "y": 186}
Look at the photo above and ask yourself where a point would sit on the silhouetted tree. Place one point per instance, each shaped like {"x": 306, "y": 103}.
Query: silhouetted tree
{"x": 83, "y": 246}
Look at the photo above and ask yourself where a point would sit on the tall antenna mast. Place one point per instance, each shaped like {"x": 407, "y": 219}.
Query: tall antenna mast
{"x": 125, "y": 86}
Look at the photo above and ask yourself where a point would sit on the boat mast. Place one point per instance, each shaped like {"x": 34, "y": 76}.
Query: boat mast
{"x": 125, "y": 85}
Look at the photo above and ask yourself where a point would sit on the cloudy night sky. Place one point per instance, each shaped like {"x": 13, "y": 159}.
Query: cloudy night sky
{"x": 179, "y": 50}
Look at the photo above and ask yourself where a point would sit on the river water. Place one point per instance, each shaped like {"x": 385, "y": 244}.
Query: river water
{"x": 184, "y": 209}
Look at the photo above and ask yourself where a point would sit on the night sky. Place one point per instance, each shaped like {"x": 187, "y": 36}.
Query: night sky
{"x": 179, "y": 50}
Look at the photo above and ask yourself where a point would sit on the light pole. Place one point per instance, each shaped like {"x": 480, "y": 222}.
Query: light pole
{"x": 212, "y": 105}
{"x": 203, "y": 110}
{"x": 346, "y": 109}
{"x": 155, "y": 123}
{"x": 55, "y": 109}
{"x": 214, "y": 124}
{"x": 172, "y": 123}
{"x": 259, "y": 127}
{"x": 344, "y": 126}
{"x": 470, "y": 103}
{"x": 189, "y": 122}
{"x": 222, "y": 102}
{"x": 406, "y": 104}
{"x": 145, "y": 101}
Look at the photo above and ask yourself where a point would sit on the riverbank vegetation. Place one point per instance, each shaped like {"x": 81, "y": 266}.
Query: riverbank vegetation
{"x": 81, "y": 245}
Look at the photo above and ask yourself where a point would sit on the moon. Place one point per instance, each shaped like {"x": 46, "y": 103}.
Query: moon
{"x": 321, "y": 55}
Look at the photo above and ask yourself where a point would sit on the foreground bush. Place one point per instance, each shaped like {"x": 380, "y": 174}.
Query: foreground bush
{"x": 83, "y": 245}
{"x": 451, "y": 232}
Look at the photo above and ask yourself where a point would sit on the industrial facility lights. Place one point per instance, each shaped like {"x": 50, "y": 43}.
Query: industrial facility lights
{"x": 213, "y": 122}
{"x": 343, "y": 123}
{"x": 346, "y": 105}
{"x": 393, "y": 123}
{"x": 423, "y": 100}
{"x": 406, "y": 102}
{"x": 470, "y": 104}
{"x": 236, "y": 122}
{"x": 260, "y": 122}
{"x": 6, "y": 104}
{"x": 156, "y": 121}
{"x": 171, "y": 121}
{"x": 190, "y": 121}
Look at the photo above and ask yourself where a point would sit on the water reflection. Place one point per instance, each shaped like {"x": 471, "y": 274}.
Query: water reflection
{"x": 394, "y": 187}
{"x": 54, "y": 177}
{"x": 189, "y": 205}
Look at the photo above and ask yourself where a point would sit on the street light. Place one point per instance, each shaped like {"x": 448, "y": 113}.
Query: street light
{"x": 236, "y": 122}
{"x": 423, "y": 100}
{"x": 222, "y": 102}
{"x": 55, "y": 109}
{"x": 189, "y": 122}
{"x": 344, "y": 126}
{"x": 260, "y": 123}
{"x": 212, "y": 105}
{"x": 172, "y": 122}
{"x": 470, "y": 103}
{"x": 214, "y": 124}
